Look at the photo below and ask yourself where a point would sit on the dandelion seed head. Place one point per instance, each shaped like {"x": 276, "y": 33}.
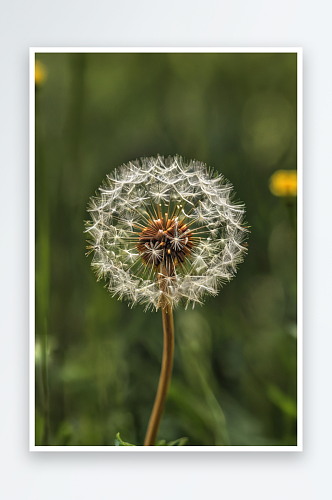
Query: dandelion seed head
{"x": 165, "y": 231}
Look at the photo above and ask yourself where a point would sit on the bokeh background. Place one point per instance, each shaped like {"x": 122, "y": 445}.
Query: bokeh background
{"x": 98, "y": 361}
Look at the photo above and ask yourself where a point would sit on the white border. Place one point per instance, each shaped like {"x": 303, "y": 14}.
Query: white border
{"x": 179, "y": 449}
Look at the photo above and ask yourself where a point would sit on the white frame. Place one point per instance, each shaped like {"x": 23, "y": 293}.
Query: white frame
{"x": 178, "y": 449}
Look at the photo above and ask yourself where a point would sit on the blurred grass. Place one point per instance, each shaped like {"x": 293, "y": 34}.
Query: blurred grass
{"x": 98, "y": 362}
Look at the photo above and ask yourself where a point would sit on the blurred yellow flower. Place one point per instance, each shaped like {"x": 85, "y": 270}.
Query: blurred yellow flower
{"x": 284, "y": 183}
{"x": 40, "y": 73}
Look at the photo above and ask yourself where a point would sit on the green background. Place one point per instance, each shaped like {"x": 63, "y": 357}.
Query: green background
{"x": 98, "y": 361}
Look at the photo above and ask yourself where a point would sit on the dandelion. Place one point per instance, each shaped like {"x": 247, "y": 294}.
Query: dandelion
{"x": 284, "y": 183}
{"x": 40, "y": 73}
{"x": 164, "y": 232}
{"x": 165, "y": 226}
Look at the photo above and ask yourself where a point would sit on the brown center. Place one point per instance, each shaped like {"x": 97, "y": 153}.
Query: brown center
{"x": 165, "y": 243}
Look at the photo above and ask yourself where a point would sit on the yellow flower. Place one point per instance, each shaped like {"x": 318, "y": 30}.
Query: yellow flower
{"x": 40, "y": 73}
{"x": 284, "y": 183}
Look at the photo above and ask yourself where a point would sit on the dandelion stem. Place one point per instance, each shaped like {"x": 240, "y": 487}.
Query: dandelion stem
{"x": 165, "y": 376}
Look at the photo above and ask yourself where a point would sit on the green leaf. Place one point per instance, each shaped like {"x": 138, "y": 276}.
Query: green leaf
{"x": 178, "y": 442}
{"x": 282, "y": 400}
{"x": 119, "y": 442}
{"x": 162, "y": 442}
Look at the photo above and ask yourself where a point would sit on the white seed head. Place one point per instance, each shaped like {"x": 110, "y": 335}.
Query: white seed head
{"x": 165, "y": 231}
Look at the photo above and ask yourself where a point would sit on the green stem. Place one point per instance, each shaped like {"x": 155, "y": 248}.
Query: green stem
{"x": 42, "y": 264}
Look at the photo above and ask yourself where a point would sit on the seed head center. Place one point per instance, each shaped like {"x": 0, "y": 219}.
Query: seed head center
{"x": 165, "y": 244}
